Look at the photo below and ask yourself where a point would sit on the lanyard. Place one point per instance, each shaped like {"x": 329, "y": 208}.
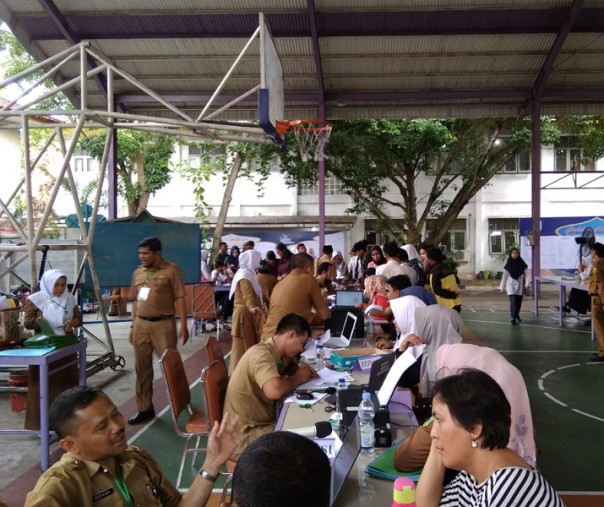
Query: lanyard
{"x": 121, "y": 484}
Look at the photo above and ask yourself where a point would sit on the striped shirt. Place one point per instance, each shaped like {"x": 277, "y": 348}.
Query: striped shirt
{"x": 506, "y": 487}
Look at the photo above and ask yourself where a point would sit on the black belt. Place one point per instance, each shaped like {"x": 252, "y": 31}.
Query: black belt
{"x": 155, "y": 319}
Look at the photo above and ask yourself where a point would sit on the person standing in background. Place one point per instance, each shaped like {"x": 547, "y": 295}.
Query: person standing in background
{"x": 596, "y": 290}
{"x": 158, "y": 291}
{"x": 513, "y": 282}
{"x": 247, "y": 295}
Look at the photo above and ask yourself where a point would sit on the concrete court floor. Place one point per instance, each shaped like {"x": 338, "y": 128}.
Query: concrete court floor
{"x": 21, "y": 454}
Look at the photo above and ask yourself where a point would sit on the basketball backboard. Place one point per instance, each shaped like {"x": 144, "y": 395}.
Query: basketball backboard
{"x": 270, "y": 96}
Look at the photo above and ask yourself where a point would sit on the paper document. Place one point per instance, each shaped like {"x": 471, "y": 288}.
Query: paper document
{"x": 373, "y": 307}
{"x": 399, "y": 367}
{"x": 316, "y": 398}
{"x": 327, "y": 378}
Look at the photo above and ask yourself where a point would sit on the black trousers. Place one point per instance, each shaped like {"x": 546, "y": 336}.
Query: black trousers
{"x": 515, "y": 304}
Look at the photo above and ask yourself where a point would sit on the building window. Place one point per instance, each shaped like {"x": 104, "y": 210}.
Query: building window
{"x": 569, "y": 156}
{"x": 83, "y": 163}
{"x": 503, "y": 235}
{"x": 332, "y": 187}
{"x": 455, "y": 239}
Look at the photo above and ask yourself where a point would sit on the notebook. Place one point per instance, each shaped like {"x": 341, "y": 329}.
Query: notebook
{"x": 348, "y": 298}
{"x": 342, "y": 464}
{"x": 342, "y": 341}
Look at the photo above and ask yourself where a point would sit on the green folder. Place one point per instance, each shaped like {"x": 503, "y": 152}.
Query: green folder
{"x": 382, "y": 467}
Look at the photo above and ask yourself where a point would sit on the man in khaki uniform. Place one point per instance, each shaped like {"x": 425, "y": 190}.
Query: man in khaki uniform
{"x": 99, "y": 469}
{"x": 297, "y": 293}
{"x": 266, "y": 373}
{"x": 595, "y": 286}
{"x": 158, "y": 291}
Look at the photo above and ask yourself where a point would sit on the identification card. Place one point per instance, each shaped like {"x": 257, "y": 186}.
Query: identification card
{"x": 143, "y": 294}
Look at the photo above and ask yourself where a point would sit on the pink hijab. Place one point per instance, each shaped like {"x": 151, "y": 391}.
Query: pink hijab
{"x": 451, "y": 358}
{"x": 373, "y": 286}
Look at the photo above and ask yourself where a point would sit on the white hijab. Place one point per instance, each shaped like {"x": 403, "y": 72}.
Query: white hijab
{"x": 436, "y": 325}
{"x": 249, "y": 261}
{"x": 56, "y": 310}
{"x": 411, "y": 252}
{"x": 403, "y": 310}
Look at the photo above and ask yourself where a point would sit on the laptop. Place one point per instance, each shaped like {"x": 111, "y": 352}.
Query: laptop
{"x": 351, "y": 398}
{"x": 344, "y": 460}
{"x": 348, "y": 298}
{"x": 342, "y": 341}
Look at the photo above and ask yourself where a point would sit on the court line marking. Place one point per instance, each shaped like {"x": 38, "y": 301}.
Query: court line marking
{"x": 528, "y": 324}
{"x": 541, "y": 385}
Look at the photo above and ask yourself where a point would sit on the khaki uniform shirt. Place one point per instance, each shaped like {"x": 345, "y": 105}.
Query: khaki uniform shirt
{"x": 596, "y": 278}
{"x": 244, "y": 395}
{"x": 298, "y": 293}
{"x": 73, "y": 481}
{"x": 166, "y": 286}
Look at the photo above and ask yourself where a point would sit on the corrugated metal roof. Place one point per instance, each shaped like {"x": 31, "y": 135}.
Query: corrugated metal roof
{"x": 384, "y": 58}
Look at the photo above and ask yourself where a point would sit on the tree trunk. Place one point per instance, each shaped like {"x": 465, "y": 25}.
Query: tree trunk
{"x": 226, "y": 200}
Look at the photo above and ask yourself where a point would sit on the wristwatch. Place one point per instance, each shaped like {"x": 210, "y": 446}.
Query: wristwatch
{"x": 207, "y": 476}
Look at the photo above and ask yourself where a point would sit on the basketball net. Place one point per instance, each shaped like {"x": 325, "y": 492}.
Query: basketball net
{"x": 311, "y": 136}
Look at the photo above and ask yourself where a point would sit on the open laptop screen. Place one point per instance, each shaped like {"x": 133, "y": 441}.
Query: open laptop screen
{"x": 348, "y": 298}
{"x": 342, "y": 464}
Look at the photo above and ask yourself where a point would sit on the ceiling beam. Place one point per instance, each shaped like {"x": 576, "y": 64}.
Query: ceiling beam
{"x": 297, "y": 24}
{"x": 68, "y": 34}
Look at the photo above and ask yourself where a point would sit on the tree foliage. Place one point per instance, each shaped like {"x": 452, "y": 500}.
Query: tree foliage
{"x": 143, "y": 163}
{"x": 379, "y": 163}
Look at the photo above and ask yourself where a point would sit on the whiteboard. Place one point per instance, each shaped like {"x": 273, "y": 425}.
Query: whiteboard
{"x": 557, "y": 252}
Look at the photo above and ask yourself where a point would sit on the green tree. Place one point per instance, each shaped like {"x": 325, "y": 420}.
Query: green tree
{"x": 143, "y": 163}
{"x": 590, "y": 135}
{"x": 379, "y": 163}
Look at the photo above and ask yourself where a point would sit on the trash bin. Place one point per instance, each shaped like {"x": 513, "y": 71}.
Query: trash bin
{"x": 18, "y": 401}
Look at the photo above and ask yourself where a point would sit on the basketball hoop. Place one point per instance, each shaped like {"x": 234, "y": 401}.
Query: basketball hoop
{"x": 311, "y": 136}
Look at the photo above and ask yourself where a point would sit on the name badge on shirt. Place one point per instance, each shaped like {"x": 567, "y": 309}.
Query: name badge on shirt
{"x": 102, "y": 494}
{"x": 143, "y": 294}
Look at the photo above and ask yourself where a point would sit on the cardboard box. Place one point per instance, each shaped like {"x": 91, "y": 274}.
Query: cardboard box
{"x": 345, "y": 358}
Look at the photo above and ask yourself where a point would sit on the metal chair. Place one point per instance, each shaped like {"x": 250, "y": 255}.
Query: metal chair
{"x": 115, "y": 299}
{"x": 204, "y": 309}
{"x": 179, "y": 396}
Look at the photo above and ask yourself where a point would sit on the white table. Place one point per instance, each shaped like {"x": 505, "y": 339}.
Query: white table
{"x": 563, "y": 283}
{"x": 45, "y": 362}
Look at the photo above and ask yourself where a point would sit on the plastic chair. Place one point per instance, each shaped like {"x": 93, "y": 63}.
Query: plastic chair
{"x": 204, "y": 308}
{"x": 179, "y": 396}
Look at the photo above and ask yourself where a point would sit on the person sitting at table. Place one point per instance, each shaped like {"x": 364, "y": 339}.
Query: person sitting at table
{"x": 59, "y": 307}
{"x": 285, "y": 260}
{"x": 324, "y": 277}
{"x": 247, "y": 295}
{"x": 341, "y": 266}
{"x": 297, "y": 293}
{"x": 100, "y": 468}
{"x": 267, "y": 372}
{"x": 470, "y": 433}
{"x": 412, "y": 452}
{"x": 408, "y": 289}
{"x": 282, "y": 468}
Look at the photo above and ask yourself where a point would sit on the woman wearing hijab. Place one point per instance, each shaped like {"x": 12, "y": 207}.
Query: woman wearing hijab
{"x": 232, "y": 260}
{"x": 248, "y": 301}
{"x": 341, "y": 267}
{"x": 57, "y": 306}
{"x": 513, "y": 282}
{"x": 416, "y": 263}
{"x": 434, "y": 326}
{"x": 450, "y": 359}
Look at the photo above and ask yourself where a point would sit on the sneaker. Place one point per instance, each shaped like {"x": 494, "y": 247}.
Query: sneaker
{"x": 518, "y": 318}
{"x": 514, "y": 322}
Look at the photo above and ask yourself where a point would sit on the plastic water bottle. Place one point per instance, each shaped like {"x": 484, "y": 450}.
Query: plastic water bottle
{"x": 367, "y": 427}
{"x": 404, "y": 493}
{"x": 319, "y": 361}
{"x": 369, "y": 340}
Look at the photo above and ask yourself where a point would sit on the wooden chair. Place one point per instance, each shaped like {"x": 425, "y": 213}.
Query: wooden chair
{"x": 115, "y": 299}
{"x": 204, "y": 308}
{"x": 179, "y": 396}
